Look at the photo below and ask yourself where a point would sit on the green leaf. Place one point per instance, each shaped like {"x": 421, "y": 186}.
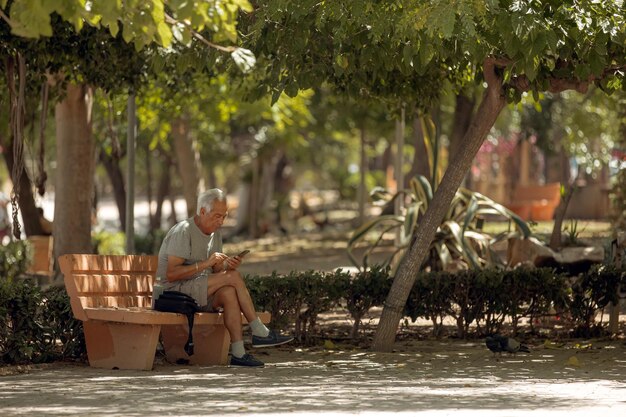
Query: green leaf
{"x": 165, "y": 34}
{"x": 531, "y": 67}
{"x": 422, "y": 189}
{"x": 291, "y": 89}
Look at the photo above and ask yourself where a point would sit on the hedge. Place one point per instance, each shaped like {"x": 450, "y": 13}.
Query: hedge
{"x": 37, "y": 325}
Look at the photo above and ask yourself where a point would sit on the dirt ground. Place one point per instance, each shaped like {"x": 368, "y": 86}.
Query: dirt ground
{"x": 422, "y": 376}
{"x": 433, "y": 378}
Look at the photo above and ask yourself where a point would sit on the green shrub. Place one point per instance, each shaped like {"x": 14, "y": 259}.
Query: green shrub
{"x": 591, "y": 292}
{"x": 318, "y": 292}
{"x": 276, "y": 294}
{"x": 430, "y": 298}
{"x": 363, "y": 291}
{"x": 21, "y": 334}
{"x": 37, "y": 326}
{"x": 15, "y": 258}
{"x": 150, "y": 243}
{"x": 491, "y": 298}
{"x": 460, "y": 238}
{"x": 64, "y": 329}
{"x": 109, "y": 243}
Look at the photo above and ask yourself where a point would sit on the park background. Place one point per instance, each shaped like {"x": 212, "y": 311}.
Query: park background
{"x": 312, "y": 116}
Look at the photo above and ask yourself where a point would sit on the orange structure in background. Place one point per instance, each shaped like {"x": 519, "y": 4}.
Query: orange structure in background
{"x": 536, "y": 202}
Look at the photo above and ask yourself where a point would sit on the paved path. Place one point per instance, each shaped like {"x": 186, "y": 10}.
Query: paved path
{"x": 422, "y": 378}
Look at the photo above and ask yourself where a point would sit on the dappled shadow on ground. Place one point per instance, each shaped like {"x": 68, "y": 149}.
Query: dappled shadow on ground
{"x": 419, "y": 377}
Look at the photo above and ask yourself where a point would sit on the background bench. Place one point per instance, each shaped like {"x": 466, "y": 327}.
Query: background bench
{"x": 42, "y": 255}
{"x": 112, "y": 296}
{"x": 536, "y": 202}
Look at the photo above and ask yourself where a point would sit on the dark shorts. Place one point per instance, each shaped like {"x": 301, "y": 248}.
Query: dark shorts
{"x": 196, "y": 288}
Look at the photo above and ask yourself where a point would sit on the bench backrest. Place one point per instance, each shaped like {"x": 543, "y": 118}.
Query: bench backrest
{"x": 550, "y": 192}
{"x": 42, "y": 255}
{"x": 108, "y": 280}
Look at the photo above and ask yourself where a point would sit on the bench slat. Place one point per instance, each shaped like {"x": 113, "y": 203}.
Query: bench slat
{"x": 116, "y": 301}
{"x": 112, "y": 284}
{"x": 111, "y": 263}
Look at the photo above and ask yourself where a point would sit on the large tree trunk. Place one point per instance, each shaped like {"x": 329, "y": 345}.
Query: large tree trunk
{"x": 463, "y": 111}
{"x": 113, "y": 170}
{"x": 74, "y": 186}
{"x": 492, "y": 104}
{"x": 149, "y": 180}
{"x": 420, "y": 165}
{"x": 188, "y": 161}
{"x": 162, "y": 192}
{"x": 362, "y": 192}
{"x": 25, "y": 200}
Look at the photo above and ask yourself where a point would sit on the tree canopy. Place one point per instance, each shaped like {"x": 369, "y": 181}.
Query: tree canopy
{"x": 403, "y": 49}
{"x": 408, "y": 49}
{"x": 139, "y": 21}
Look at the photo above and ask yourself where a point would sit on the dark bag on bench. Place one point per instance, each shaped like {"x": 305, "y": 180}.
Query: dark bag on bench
{"x": 178, "y": 302}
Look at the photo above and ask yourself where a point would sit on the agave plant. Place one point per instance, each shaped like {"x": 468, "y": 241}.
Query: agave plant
{"x": 459, "y": 239}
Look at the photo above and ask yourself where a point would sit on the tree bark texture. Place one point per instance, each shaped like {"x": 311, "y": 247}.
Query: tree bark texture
{"x": 463, "y": 111}
{"x": 556, "y": 238}
{"x": 114, "y": 172}
{"x": 492, "y": 103}
{"x": 149, "y": 180}
{"x": 362, "y": 193}
{"x": 75, "y": 172}
{"x": 420, "y": 165}
{"x": 162, "y": 192}
{"x": 188, "y": 161}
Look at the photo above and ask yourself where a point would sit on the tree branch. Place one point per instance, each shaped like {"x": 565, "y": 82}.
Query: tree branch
{"x": 557, "y": 85}
{"x": 198, "y": 36}
{"x": 494, "y": 81}
{"x": 6, "y": 18}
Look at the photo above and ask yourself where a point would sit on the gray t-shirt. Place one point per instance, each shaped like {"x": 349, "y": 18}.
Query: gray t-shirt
{"x": 185, "y": 240}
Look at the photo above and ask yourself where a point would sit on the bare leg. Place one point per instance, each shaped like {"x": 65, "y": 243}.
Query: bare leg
{"x": 233, "y": 279}
{"x": 226, "y": 298}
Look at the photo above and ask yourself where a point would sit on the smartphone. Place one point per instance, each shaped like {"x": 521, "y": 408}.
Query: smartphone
{"x": 243, "y": 253}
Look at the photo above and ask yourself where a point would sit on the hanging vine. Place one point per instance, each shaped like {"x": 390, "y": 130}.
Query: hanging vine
{"x": 42, "y": 176}
{"x": 17, "y": 112}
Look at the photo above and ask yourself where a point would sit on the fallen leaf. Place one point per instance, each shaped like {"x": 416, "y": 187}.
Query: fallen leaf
{"x": 573, "y": 361}
{"x": 548, "y": 344}
{"x": 328, "y": 344}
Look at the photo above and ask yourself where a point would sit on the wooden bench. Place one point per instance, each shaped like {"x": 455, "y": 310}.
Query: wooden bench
{"x": 112, "y": 296}
{"x": 536, "y": 202}
{"x": 42, "y": 255}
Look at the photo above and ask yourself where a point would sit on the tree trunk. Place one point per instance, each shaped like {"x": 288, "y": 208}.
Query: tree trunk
{"x": 556, "y": 238}
{"x": 25, "y": 200}
{"x": 253, "y": 211}
{"x": 462, "y": 118}
{"x": 162, "y": 192}
{"x": 188, "y": 161}
{"x": 75, "y": 172}
{"x": 492, "y": 104}
{"x": 114, "y": 172}
{"x": 362, "y": 193}
{"x": 243, "y": 209}
{"x": 149, "y": 180}
{"x": 420, "y": 165}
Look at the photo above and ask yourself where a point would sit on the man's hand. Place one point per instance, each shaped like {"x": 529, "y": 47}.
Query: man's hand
{"x": 232, "y": 263}
{"x": 218, "y": 261}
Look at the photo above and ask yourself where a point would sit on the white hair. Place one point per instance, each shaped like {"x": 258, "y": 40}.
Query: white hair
{"x": 206, "y": 199}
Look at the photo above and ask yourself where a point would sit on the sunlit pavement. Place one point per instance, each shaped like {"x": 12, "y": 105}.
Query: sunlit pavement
{"x": 430, "y": 378}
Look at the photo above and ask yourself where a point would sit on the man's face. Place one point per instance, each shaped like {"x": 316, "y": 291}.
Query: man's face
{"x": 212, "y": 220}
